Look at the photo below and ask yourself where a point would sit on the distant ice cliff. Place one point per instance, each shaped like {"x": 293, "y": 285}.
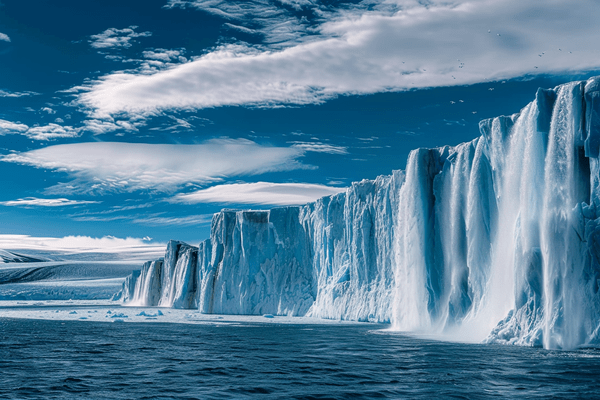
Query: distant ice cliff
{"x": 498, "y": 238}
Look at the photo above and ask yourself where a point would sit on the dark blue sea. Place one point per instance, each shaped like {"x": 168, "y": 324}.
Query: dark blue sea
{"x": 80, "y": 359}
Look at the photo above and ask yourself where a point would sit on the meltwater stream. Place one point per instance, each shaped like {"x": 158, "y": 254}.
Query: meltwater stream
{"x": 244, "y": 361}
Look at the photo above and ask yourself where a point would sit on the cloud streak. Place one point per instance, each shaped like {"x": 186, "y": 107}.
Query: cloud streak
{"x": 35, "y": 202}
{"x": 319, "y": 147}
{"x": 133, "y": 247}
{"x": 264, "y": 193}
{"x": 4, "y": 37}
{"x": 10, "y": 128}
{"x": 397, "y": 45}
{"x": 51, "y": 131}
{"x": 46, "y": 132}
{"x": 202, "y": 219}
{"x": 102, "y": 167}
{"x": 4, "y": 93}
{"x": 116, "y": 38}
{"x": 263, "y": 18}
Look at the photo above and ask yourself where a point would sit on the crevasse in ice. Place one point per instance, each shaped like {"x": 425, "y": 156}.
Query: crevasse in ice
{"x": 496, "y": 239}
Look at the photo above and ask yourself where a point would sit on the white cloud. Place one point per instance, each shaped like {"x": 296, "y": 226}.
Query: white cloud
{"x": 259, "y": 193}
{"x": 165, "y": 55}
{"x": 241, "y": 29}
{"x": 51, "y": 131}
{"x": 4, "y": 93}
{"x": 99, "y": 167}
{"x": 4, "y": 37}
{"x": 94, "y": 218}
{"x": 99, "y": 126}
{"x": 154, "y": 219}
{"x": 319, "y": 147}
{"x": 391, "y": 46}
{"x": 202, "y": 219}
{"x": 116, "y": 38}
{"x": 134, "y": 247}
{"x": 33, "y": 201}
{"x": 48, "y": 110}
{"x": 265, "y": 18}
{"x": 46, "y": 132}
{"x": 9, "y": 128}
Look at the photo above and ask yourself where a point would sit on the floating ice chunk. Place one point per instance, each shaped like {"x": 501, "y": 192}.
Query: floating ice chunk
{"x": 145, "y": 314}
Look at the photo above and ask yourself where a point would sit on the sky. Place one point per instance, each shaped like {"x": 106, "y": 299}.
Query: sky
{"x": 142, "y": 118}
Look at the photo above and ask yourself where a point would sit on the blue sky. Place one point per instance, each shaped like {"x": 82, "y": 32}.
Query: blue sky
{"x": 143, "y": 118}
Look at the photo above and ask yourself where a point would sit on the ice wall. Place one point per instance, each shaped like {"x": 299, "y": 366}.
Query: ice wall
{"x": 495, "y": 239}
{"x": 256, "y": 262}
{"x": 127, "y": 292}
{"x": 169, "y": 281}
{"x": 147, "y": 284}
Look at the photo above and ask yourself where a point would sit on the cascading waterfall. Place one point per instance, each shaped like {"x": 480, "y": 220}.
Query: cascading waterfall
{"x": 562, "y": 237}
{"x": 497, "y": 239}
{"x": 147, "y": 286}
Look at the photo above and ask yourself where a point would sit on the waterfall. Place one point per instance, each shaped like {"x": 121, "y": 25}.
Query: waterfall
{"x": 494, "y": 240}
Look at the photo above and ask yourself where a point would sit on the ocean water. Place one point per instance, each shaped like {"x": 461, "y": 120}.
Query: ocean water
{"x": 82, "y": 359}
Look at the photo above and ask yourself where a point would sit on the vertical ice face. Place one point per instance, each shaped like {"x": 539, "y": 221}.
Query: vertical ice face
{"x": 128, "y": 291}
{"x": 561, "y": 232}
{"x": 174, "y": 272}
{"x": 256, "y": 262}
{"x": 418, "y": 273}
{"x": 147, "y": 287}
{"x": 352, "y": 246}
{"x": 182, "y": 293}
{"x": 550, "y": 232}
{"x": 495, "y": 239}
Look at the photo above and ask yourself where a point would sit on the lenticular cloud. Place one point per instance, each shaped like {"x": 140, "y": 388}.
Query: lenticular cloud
{"x": 357, "y": 51}
{"x": 106, "y": 166}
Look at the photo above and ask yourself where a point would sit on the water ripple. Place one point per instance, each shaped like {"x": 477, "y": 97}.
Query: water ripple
{"x": 274, "y": 361}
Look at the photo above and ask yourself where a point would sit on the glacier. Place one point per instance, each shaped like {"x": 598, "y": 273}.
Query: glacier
{"x": 497, "y": 239}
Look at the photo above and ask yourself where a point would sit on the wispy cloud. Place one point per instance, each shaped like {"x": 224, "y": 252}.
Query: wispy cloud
{"x": 387, "y": 46}
{"x": 98, "y": 218}
{"x": 143, "y": 248}
{"x": 319, "y": 147}
{"x": 4, "y": 93}
{"x": 48, "y": 110}
{"x": 35, "y": 202}
{"x": 102, "y": 126}
{"x": 202, "y": 219}
{"x": 51, "y": 131}
{"x": 264, "y": 18}
{"x": 165, "y": 55}
{"x": 259, "y": 193}
{"x": 116, "y": 38}
{"x": 4, "y": 37}
{"x": 45, "y": 132}
{"x": 10, "y": 128}
{"x": 99, "y": 167}
{"x": 152, "y": 219}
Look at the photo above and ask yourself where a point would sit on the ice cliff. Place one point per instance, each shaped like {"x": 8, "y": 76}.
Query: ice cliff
{"x": 497, "y": 238}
